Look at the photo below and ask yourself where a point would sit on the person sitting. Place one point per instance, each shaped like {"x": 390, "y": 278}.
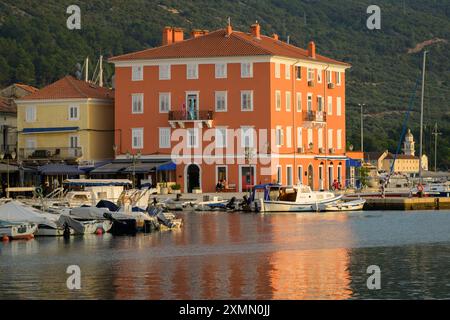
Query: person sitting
{"x": 219, "y": 186}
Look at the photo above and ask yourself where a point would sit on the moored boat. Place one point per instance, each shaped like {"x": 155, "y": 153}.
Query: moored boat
{"x": 17, "y": 231}
{"x": 278, "y": 198}
{"x": 340, "y": 205}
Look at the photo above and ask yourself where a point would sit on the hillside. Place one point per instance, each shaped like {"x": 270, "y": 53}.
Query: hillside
{"x": 37, "y": 48}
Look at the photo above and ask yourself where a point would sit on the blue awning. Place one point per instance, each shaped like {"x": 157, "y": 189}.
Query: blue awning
{"x": 45, "y": 130}
{"x": 167, "y": 166}
{"x": 59, "y": 169}
{"x": 353, "y": 163}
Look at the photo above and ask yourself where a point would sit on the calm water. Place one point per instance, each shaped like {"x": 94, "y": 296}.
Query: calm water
{"x": 243, "y": 256}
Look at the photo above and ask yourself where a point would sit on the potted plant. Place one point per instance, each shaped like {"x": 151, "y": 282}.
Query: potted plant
{"x": 164, "y": 189}
{"x": 176, "y": 188}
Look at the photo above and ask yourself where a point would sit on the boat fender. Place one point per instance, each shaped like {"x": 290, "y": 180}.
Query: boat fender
{"x": 5, "y": 238}
{"x": 99, "y": 231}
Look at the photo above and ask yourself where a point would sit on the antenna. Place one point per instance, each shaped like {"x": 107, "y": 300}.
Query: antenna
{"x": 86, "y": 71}
{"x": 100, "y": 82}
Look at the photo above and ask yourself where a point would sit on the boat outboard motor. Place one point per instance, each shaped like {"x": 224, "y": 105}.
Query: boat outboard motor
{"x": 66, "y": 233}
{"x": 231, "y": 203}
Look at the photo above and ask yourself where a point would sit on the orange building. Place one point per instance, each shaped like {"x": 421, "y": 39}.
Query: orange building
{"x": 230, "y": 105}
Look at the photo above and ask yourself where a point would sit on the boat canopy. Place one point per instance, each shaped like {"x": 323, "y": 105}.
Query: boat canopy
{"x": 96, "y": 182}
{"x": 17, "y": 212}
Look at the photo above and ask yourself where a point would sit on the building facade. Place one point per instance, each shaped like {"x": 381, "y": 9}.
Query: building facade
{"x": 69, "y": 121}
{"x": 234, "y": 106}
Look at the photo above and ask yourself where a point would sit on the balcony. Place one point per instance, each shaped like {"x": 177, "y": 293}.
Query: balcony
{"x": 50, "y": 153}
{"x": 199, "y": 116}
{"x": 315, "y": 116}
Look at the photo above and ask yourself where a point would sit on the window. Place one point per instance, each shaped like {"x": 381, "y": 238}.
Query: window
{"x": 287, "y": 71}
{"x": 289, "y": 176}
{"x": 31, "y": 144}
{"x": 289, "y": 137}
{"x": 277, "y": 100}
{"x": 329, "y": 77}
{"x": 74, "y": 150}
{"x": 192, "y": 71}
{"x": 319, "y": 76}
{"x": 298, "y": 102}
{"x": 279, "y": 135}
{"x": 299, "y": 137}
{"x": 246, "y": 100}
{"x": 319, "y": 103}
{"x": 164, "y": 72}
{"x": 339, "y": 139}
{"x": 221, "y": 70}
{"x": 310, "y": 74}
{"x": 137, "y": 73}
{"x": 164, "y": 102}
{"x": 309, "y": 104}
{"x": 330, "y": 138}
{"x": 298, "y": 72}
{"x": 73, "y": 141}
{"x": 74, "y": 112}
{"x": 277, "y": 70}
{"x": 30, "y": 114}
{"x": 137, "y": 103}
{"x": 320, "y": 137}
{"x": 338, "y": 106}
{"x": 288, "y": 101}
{"x": 338, "y": 78}
{"x": 247, "y": 137}
{"x": 246, "y": 70}
{"x": 300, "y": 174}
{"x": 192, "y": 138}
{"x": 310, "y": 137}
{"x": 330, "y": 106}
{"x": 164, "y": 137}
{"x": 221, "y": 101}
{"x": 221, "y": 137}
{"x": 137, "y": 138}
{"x": 279, "y": 175}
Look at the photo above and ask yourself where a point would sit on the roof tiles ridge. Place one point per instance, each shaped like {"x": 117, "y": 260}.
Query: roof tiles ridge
{"x": 74, "y": 85}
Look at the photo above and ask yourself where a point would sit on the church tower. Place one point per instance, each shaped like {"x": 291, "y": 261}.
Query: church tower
{"x": 408, "y": 144}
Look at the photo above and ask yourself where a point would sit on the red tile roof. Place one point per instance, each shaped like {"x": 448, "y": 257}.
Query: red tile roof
{"x": 70, "y": 88}
{"x": 218, "y": 44}
{"x": 26, "y": 87}
{"x": 7, "y": 105}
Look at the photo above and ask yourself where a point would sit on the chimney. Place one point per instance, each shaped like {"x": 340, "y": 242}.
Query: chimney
{"x": 256, "y": 30}
{"x": 312, "y": 50}
{"x": 229, "y": 28}
{"x": 178, "y": 35}
{"x": 198, "y": 33}
{"x": 167, "y": 36}
{"x": 275, "y": 36}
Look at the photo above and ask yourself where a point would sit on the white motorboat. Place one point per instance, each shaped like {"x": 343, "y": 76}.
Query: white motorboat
{"x": 209, "y": 204}
{"x": 299, "y": 198}
{"x": 17, "y": 231}
{"x": 17, "y": 212}
{"x": 340, "y": 205}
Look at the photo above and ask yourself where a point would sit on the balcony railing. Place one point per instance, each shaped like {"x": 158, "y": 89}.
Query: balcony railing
{"x": 315, "y": 116}
{"x": 181, "y": 117}
{"x": 190, "y": 116}
{"x": 50, "y": 153}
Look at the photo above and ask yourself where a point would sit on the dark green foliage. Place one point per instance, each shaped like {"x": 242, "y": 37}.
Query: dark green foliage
{"x": 37, "y": 48}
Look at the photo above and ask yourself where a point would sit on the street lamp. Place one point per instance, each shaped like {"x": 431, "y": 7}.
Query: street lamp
{"x": 2, "y": 156}
{"x": 134, "y": 158}
{"x": 362, "y": 126}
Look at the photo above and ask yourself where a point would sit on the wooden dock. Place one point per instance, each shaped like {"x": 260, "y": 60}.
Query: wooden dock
{"x": 407, "y": 204}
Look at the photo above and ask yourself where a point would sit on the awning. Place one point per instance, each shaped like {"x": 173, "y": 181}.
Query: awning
{"x": 97, "y": 182}
{"x": 143, "y": 167}
{"x": 60, "y": 169}
{"x": 110, "y": 168}
{"x": 46, "y": 130}
{"x": 167, "y": 166}
{"x": 353, "y": 163}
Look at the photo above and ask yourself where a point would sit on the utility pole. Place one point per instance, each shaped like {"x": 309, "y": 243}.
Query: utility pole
{"x": 421, "y": 115}
{"x": 362, "y": 126}
{"x": 436, "y": 134}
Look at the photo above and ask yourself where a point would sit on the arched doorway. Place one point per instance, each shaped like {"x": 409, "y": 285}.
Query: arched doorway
{"x": 311, "y": 176}
{"x": 192, "y": 177}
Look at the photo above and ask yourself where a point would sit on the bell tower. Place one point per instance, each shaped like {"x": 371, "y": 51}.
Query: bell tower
{"x": 408, "y": 144}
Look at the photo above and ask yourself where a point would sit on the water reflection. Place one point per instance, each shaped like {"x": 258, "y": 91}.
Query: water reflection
{"x": 242, "y": 256}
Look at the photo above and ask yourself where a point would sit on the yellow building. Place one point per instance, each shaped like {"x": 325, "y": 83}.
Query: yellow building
{"x": 70, "y": 121}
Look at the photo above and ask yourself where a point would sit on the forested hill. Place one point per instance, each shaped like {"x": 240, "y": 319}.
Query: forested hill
{"x": 37, "y": 48}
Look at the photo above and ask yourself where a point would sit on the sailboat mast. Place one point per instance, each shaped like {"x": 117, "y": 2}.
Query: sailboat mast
{"x": 421, "y": 116}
